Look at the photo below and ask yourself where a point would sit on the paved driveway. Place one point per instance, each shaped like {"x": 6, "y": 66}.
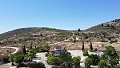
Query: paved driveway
{"x": 43, "y": 59}
{"x": 80, "y": 53}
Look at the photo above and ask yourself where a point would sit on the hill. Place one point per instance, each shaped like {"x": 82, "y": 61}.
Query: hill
{"x": 108, "y": 32}
{"x": 110, "y": 27}
{"x": 34, "y": 35}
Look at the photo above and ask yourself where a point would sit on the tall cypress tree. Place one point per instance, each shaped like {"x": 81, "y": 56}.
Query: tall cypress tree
{"x": 24, "y": 49}
{"x": 82, "y": 45}
{"x": 91, "y": 47}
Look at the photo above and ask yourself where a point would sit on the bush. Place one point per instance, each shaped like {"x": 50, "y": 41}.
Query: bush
{"x": 47, "y": 54}
{"x": 40, "y": 65}
{"x": 112, "y": 55}
{"x": 44, "y": 48}
{"x": 18, "y": 57}
{"x": 76, "y": 61}
{"x": 22, "y": 65}
{"x": 101, "y": 64}
{"x": 52, "y": 60}
{"x": 85, "y": 53}
{"x": 117, "y": 66}
{"x": 5, "y": 59}
{"x": 36, "y": 65}
{"x": 88, "y": 62}
{"x": 113, "y": 41}
{"x": 95, "y": 59}
{"x": 95, "y": 49}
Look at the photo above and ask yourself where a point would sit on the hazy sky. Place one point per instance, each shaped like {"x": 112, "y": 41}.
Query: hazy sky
{"x": 61, "y": 14}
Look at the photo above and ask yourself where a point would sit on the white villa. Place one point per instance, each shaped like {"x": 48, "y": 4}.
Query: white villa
{"x": 56, "y": 50}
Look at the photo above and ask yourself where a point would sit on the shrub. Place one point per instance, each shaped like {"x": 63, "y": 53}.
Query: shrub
{"x": 17, "y": 57}
{"x": 113, "y": 41}
{"x": 95, "y": 49}
{"x": 44, "y": 48}
{"x": 36, "y": 65}
{"x": 117, "y": 66}
{"x": 95, "y": 59}
{"x": 52, "y": 60}
{"x": 40, "y": 65}
{"x": 85, "y": 53}
{"x": 88, "y": 62}
{"x": 47, "y": 54}
{"x": 112, "y": 55}
{"x": 76, "y": 61}
{"x": 101, "y": 64}
{"x": 5, "y": 59}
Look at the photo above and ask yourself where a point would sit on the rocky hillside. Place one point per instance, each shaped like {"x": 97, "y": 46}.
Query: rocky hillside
{"x": 105, "y": 32}
{"x": 110, "y": 27}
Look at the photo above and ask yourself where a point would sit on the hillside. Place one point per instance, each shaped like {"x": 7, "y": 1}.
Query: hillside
{"x": 34, "y": 35}
{"x": 110, "y": 27}
{"x": 105, "y": 32}
{"x": 108, "y": 30}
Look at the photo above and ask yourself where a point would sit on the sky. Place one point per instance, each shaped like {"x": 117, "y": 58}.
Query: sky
{"x": 60, "y": 14}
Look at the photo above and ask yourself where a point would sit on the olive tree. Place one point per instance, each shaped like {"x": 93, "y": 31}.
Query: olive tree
{"x": 88, "y": 62}
{"x": 66, "y": 59}
{"x": 101, "y": 64}
{"x": 112, "y": 56}
{"x": 76, "y": 61}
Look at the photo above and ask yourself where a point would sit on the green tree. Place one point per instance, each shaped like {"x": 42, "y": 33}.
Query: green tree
{"x": 95, "y": 59}
{"x": 40, "y": 65}
{"x": 5, "y": 59}
{"x": 66, "y": 58}
{"x": 76, "y": 61}
{"x": 85, "y": 53}
{"x": 36, "y": 65}
{"x": 91, "y": 47}
{"x": 17, "y": 58}
{"x": 24, "y": 49}
{"x": 101, "y": 64}
{"x": 88, "y": 62}
{"x": 57, "y": 61}
{"x": 82, "y": 45}
{"x": 103, "y": 57}
{"x": 52, "y": 60}
{"x": 44, "y": 48}
{"x": 30, "y": 47}
{"x": 78, "y": 30}
{"x": 11, "y": 58}
{"x": 112, "y": 56}
{"x": 117, "y": 66}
